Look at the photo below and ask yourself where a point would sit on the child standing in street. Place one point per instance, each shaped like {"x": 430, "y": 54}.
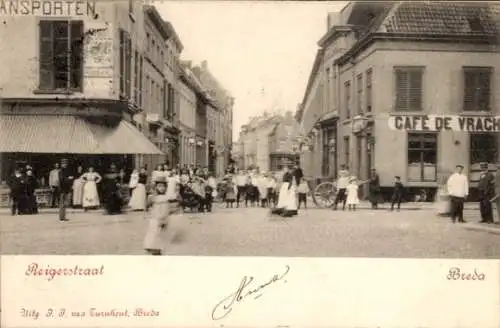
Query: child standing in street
{"x": 352, "y": 194}
{"x": 302, "y": 191}
{"x": 155, "y": 239}
{"x": 397, "y": 193}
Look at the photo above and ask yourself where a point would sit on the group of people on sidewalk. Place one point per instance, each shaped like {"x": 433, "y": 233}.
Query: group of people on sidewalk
{"x": 457, "y": 188}
{"x": 348, "y": 191}
{"x": 264, "y": 189}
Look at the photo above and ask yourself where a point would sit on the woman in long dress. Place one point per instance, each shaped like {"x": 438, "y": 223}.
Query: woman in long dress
{"x": 138, "y": 200}
{"x": 112, "y": 192}
{"x": 262, "y": 185}
{"x": 155, "y": 238}
{"x": 90, "y": 194}
{"x": 286, "y": 180}
{"x": 291, "y": 206}
{"x": 78, "y": 184}
{"x": 374, "y": 195}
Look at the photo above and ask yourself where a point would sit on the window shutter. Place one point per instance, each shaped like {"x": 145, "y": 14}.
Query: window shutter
{"x": 122, "y": 62}
{"x": 46, "y": 56}
{"x": 415, "y": 90}
{"x": 484, "y": 88}
{"x": 469, "y": 90}
{"x": 402, "y": 85}
{"x": 76, "y": 54}
{"x": 128, "y": 66}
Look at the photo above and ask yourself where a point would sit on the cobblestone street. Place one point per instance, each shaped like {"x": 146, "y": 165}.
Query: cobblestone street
{"x": 251, "y": 232}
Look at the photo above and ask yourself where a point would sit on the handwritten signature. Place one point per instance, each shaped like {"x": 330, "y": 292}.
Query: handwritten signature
{"x": 245, "y": 289}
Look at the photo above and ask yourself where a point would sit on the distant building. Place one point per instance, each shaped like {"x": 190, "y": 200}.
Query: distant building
{"x": 267, "y": 142}
{"x": 380, "y": 59}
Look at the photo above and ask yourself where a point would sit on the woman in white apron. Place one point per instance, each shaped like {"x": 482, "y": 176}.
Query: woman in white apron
{"x": 155, "y": 239}
{"x": 90, "y": 195}
{"x": 262, "y": 186}
{"x": 283, "y": 192}
{"x": 291, "y": 198}
{"x": 138, "y": 181}
{"x": 78, "y": 184}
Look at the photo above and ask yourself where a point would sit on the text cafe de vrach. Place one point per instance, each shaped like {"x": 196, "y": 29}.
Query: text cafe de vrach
{"x": 47, "y": 7}
{"x": 445, "y": 122}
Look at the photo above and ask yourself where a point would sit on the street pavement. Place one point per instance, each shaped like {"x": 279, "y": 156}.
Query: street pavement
{"x": 253, "y": 232}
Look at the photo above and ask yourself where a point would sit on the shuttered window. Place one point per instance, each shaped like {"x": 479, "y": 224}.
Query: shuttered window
{"x": 409, "y": 86}
{"x": 125, "y": 64}
{"x": 369, "y": 76}
{"x": 347, "y": 97}
{"x": 61, "y": 55}
{"x": 359, "y": 91}
{"x": 477, "y": 88}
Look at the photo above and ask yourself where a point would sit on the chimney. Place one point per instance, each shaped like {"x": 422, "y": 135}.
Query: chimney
{"x": 204, "y": 65}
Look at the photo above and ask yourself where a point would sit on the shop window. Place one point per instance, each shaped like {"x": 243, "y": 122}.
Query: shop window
{"x": 477, "y": 88}
{"x": 61, "y": 55}
{"x": 409, "y": 86}
{"x": 483, "y": 148}
{"x": 422, "y": 157}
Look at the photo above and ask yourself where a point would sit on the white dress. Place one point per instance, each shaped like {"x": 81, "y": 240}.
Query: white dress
{"x": 138, "y": 200}
{"x": 90, "y": 195}
{"x": 352, "y": 194}
{"x": 156, "y": 238}
{"x": 291, "y": 197}
{"x": 283, "y": 195}
{"x": 78, "y": 185}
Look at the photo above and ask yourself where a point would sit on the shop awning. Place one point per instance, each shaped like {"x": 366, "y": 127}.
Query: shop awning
{"x": 70, "y": 134}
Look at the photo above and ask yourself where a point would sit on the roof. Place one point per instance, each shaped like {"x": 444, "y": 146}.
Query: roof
{"x": 160, "y": 24}
{"x": 445, "y": 21}
{"x": 36, "y": 134}
{"x": 450, "y": 18}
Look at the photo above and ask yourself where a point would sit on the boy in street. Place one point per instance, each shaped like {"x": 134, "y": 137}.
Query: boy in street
{"x": 302, "y": 190}
{"x": 397, "y": 193}
{"x": 458, "y": 189}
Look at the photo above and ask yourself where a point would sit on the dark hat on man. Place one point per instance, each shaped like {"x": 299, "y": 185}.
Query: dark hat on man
{"x": 460, "y": 166}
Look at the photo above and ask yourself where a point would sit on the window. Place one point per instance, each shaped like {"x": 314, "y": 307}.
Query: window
{"x": 409, "y": 88}
{"x": 148, "y": 43}
{"x": 422, "y": 157}
{"x": 146, "y": 101}
{"x": 136, "y": 77}
{"x": 61, "y": 55}
{"x": 359, "y": 86}
{"x": 483, "y": 148}
{"x": 347, "y": 95}
{"x": 165, "y": 99}
{"x": 346, "y": 151}
{"x": 125, "y": 64}
{"x": 141, "y": 96}
{"x": 368, "y": 95}
{"x": 477, "y": 88}
{"x": 328, "y": 148}
{"x": 328, "y": 86}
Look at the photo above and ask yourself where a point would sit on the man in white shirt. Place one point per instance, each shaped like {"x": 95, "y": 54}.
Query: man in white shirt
{"x": 54, "y": 185}
{"x": 240, "y": 180}
{"x": 342, "y": 183}
{"x": 458, "y": 189}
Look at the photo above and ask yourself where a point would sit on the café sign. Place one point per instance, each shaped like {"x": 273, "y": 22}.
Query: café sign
{"x": 445, "y": 122}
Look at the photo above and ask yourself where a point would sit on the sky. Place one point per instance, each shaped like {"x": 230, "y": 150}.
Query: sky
{"x": 262, "y": 53}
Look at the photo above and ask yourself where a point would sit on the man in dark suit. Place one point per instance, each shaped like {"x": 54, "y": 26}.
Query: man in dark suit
{"x": 66, "y": 178}
{"x": 486, "y": 189}
{"x": 16, "y": 185}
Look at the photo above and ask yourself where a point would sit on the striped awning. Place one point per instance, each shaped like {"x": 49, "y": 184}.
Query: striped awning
{"x": 70, "y": 134}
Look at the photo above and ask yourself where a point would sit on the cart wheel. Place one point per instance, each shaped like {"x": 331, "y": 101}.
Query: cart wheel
{"x": 324, "y": 195}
